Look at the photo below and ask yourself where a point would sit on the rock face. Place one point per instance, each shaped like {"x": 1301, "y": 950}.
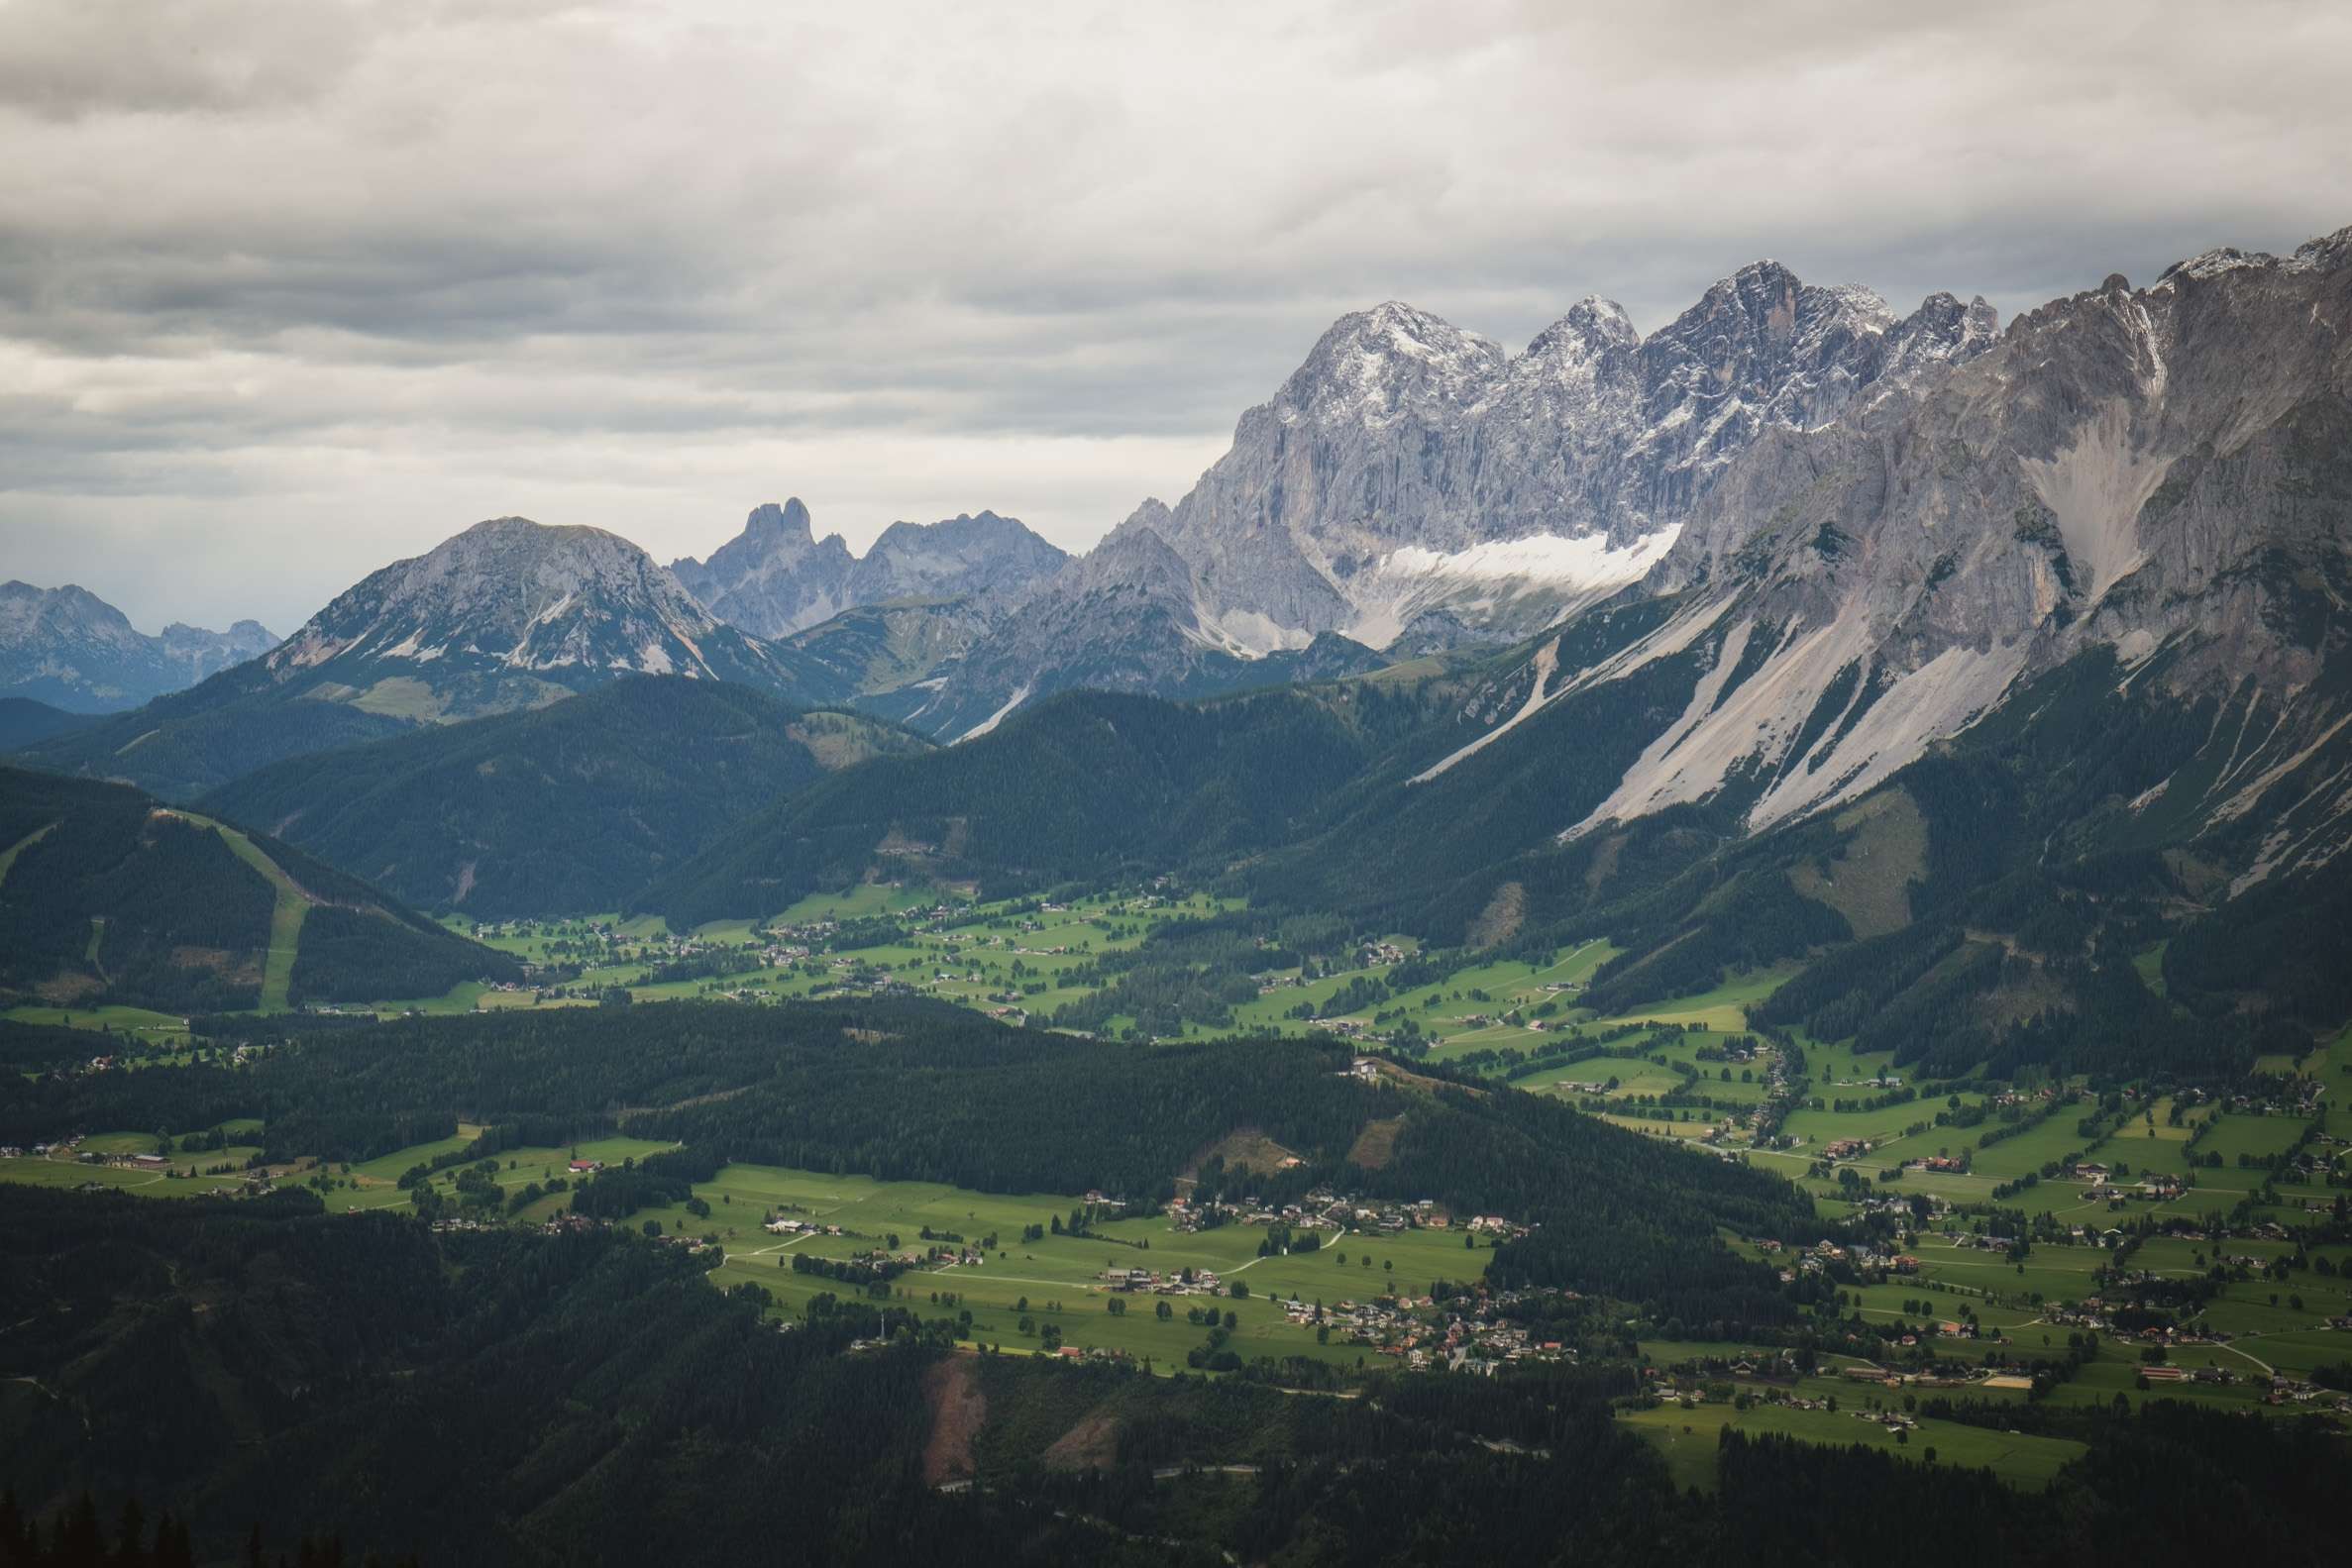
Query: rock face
{"x": 72, "y": 650}
{"x": 776, "y": 578}
{"x": 2161, "y": 473}
{"x": 511, "y": 614}
{"x": 1413, "y": 485}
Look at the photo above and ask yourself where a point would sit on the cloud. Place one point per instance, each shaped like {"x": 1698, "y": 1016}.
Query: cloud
{"x": 361, "y": 273}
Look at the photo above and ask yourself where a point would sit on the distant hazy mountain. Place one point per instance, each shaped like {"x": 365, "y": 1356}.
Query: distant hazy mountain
{"x": 565, "y": 809}
{"x": 776, "y": 578}
{"x": 70, "y": 648}
{"x": 508, "y": 614}
{"x": 1413, "y": 485}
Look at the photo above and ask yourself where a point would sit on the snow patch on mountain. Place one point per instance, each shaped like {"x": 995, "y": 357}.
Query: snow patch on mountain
{"x": 1589, "y": 561}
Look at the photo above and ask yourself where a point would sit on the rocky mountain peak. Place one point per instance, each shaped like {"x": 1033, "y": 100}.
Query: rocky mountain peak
{"x": 2125, "y": 473}
{"x": 510, "y": 614}
{"x": 1384, "y": 363}
{"x": 1593, "y": 326}
{"x": 786, "y": 524}
{"x": 776, "y": 579}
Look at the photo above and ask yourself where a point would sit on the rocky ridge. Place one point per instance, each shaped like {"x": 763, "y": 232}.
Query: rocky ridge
{"x": 1412, "y": 485}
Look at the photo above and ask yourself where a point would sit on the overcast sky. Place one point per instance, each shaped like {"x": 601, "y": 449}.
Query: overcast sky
{"x": 289, "y": 289}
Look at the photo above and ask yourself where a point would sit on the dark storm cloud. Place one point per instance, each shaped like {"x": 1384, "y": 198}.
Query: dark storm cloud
{"x": 290, "y": 289}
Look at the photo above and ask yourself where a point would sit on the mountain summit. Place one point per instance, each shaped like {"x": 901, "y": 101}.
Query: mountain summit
{"x": 511, "y": 613}
{"x": 776, "y": 578}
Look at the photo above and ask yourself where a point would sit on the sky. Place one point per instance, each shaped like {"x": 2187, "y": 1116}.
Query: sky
{"x": 293, "y": 288}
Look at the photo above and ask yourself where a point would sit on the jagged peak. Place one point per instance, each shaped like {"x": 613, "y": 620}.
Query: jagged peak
{"x": 792, "y": 518}
{"x": 1394, "y": 326}
{"x": 1943, "y": 312}
{"x": 1592, "y": 324}
{"x": 983, "y": 521}
{"x": 1150, "y": 516}
{"x": 1370, "y": 364}
{"x": 1765, "y": 272}
{"x": 2215, "y": 262}
{"x": 1773, "y": 299}
{"x": 2327, "y": 251}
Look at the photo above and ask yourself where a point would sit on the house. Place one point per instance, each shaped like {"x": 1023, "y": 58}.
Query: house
{"x": 586, "y": 1167}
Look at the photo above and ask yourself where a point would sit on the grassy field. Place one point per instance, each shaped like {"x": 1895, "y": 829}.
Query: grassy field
{"x": 142, "y": 1021}
{"x": 185, "y": 1177}
{"x": 8, "y": 856}
{"x": 1056, "y": 1278}
{"x": 1688, "y": 1438}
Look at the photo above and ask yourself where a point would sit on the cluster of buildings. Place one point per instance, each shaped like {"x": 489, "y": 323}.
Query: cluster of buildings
{"x": 1184, "y": 1281}
{"x": 1335, "y": 1212}
{"x": 1470, "y": 1335}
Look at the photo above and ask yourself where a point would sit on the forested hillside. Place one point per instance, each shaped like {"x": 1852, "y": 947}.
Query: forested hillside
{"x": 925, "y": 1092}
{"x": 267, "y": 1365}
{"x": 566, "y": 809}
{"x": 24, "y": 721}
{"x": 179, "y": 745}
{"x": 105, "y": 896}
{"x": 1087, "y": 785}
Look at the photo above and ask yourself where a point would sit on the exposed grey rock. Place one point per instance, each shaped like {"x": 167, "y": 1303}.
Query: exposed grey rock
{"x": 508, "y": 614}
{"x": 1411, "y": 474}
{"x": 2165, "y": 472}
{"x": 776, "y": 578}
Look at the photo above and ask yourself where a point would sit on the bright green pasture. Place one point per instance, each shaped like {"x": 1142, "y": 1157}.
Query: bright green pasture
{"x": 2254, "y": 1136}
{"x": 1054, "y": 1268}
{"x": 379, "y": 1179}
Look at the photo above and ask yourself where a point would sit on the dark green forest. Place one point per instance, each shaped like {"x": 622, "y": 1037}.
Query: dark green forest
{"x": 109, "y": 899}
{"x": 566, "y": 809}
{"x": 191, "y": 1381}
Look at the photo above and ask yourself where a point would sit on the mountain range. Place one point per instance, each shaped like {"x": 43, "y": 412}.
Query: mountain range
{"x": 2018, "y": 676}
{"x": 1797, "y": 630}
{"x": 70, "y": 648}
{"x": 1412, "y": 487}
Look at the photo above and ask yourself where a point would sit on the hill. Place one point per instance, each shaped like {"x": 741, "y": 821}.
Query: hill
{"x": 22, "y": 721}
{"x": 1088, "y": 785}
{"x": 107, "y": 898}
{"x": 570, "y": 808}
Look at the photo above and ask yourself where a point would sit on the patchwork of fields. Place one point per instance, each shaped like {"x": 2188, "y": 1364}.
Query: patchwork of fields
{"x": 1847, "y": 1131}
